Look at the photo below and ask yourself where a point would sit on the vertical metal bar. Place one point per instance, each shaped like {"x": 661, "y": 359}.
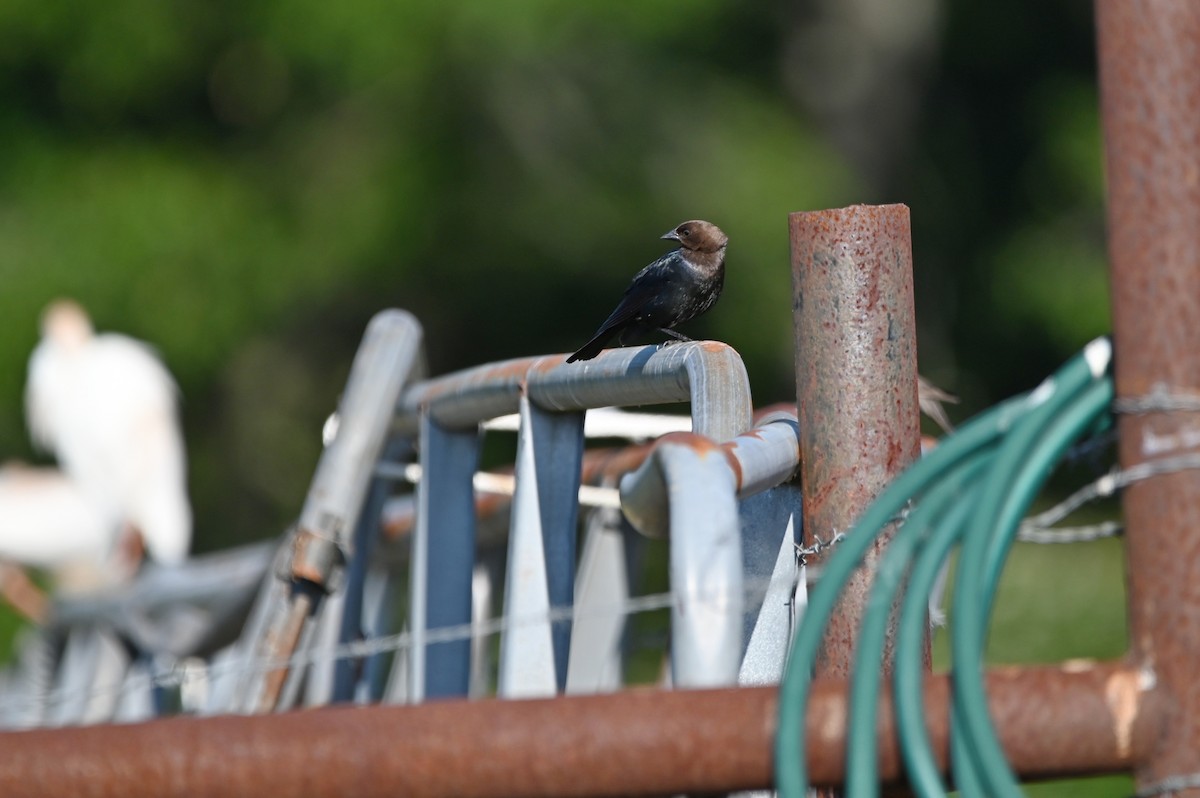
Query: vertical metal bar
{"x": 443, "y": 555}
{"x": 387, "y": 358}
{"x": 769, "y": 523}
{"x": 235, "y": 688}
{"x": 326, "y": 631}
{"x": 481, "y": 649}
{"x": 595, "y": 664}
{"x": 558, "y": 453}
{"x": 705, "y": 566}
{"x": 135, "y": 700}
{"x": 346, "y": 671}
{"x": 92, "y": 667}
{"x": 379, "y": 614}
{"x": 1150, "y": 98}
{"x": 541, "y": 552}
{"x": 856, "y": 381}
{"x": 283, "y": 639}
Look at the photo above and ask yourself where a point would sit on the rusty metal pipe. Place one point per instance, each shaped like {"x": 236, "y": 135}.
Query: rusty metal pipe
{"x": 1053, "y": 721}
{"x": 856, "y": 382}
{"x": 1150, "y": 99}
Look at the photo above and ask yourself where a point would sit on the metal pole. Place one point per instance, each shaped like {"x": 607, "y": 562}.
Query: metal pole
{"x": 1053, "y": 722}
{"x": 1150, "y": 98}
{"x": 856, "y": 382}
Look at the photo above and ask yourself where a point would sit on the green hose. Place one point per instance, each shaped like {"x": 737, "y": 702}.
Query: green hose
{"x": 909, "y": 677}
{"x": 974, "y": 488}
{"x": 790, "y": 767}
{"x": 862, "y": 767}
{"x": 1022, "y": 471}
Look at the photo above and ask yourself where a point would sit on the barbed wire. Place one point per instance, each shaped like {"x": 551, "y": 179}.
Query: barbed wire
{"x": 804, "y": 552}
{"x": 1169, "y": 785}
{"x": 1037, "y": 528}
{"x": 1070, "y": 534}
{"x": 1159, "y": 400}
{"x": 1041, "y": 528}
{"x": 179, "y": 673}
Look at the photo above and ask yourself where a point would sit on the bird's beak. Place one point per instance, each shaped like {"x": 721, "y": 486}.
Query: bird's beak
{"x": 670, "y": 236}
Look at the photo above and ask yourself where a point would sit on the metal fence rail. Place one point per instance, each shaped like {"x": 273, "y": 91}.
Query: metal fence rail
{"x": 275, "y": 621}
{"x": 1138, "y": 714}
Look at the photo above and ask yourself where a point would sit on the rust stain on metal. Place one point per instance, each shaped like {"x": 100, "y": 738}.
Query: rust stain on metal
{"x": 546, "y": 364}
{"x": 778, "y": 407}
{"x": 280, "y": 645}
{"x": 698, "y": 443}
{"x": 608, "y": 465}
{"x": 856, "y": 378}
{"x": 638, "y": 742}
{"x": 1150, "y": 96}
{"x": 431, "y": 391}
{"x": 310, "y": 556}
{"x": 735, "y": 466}
{"x": 599, "y": 465}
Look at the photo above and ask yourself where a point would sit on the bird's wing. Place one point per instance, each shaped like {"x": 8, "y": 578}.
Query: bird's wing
{"x": 151, "y": 472}
{"x": 642, "y": 289}
{"x": 930, "y": 398}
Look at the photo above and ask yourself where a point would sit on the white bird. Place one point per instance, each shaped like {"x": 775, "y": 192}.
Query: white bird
{"x": 47, "y": 521}
{"x": 106, "y": 407}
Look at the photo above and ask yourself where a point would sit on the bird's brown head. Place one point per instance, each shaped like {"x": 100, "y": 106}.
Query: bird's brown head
{"x": 699, "y": 236}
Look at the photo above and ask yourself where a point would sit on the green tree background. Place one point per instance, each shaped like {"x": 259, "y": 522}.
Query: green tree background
{"x": 244, "y": 184}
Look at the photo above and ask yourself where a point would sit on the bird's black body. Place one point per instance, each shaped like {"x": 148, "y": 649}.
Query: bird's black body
{"x": 673, "y": 289}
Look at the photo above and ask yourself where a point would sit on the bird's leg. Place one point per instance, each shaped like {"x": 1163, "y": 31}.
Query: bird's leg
{"x": 676, "y": 336}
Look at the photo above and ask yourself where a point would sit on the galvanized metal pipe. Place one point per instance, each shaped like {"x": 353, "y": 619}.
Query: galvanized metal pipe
{"x": 1150, "y": 98}
{"x": 708, "y": 373}
{"x": 757, "y": 460}
{"x": 856, "y": 381}
{"x": 1053, "y": 721}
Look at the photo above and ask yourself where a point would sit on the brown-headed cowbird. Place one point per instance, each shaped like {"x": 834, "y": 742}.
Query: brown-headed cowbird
{"x": 675, "y": 288}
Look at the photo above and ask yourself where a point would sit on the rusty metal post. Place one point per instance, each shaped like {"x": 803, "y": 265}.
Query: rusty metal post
{"x": 856, "y": 381}
{"x": 1053, "y": 721}
{"x": 1150, "y": 98}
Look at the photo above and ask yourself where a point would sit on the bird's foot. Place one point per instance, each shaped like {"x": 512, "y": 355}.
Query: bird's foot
{"x": 676, "y": 336}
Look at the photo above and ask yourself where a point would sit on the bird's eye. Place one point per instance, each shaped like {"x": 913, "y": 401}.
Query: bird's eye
{"x": 683, "y": 232}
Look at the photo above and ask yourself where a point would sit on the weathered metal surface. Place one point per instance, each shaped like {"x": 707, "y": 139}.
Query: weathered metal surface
{"x": 281, "y": 641}
{"x": 856, "y": 381}
{"x": 1150, "y": 99}
{"x": 770, "y": 524}
{"x": 596, "y": 662}
{"x": 442, "y": 562}
{"x": 1053, "y": 721}
{"x": 708, "y": 373}
{"x": 399, "y": 514}
{"x": 758, "y": 459}
{"x": 388, "y": 356}
{"x": 541, "y": 553}
{"x": 186, "y": 610}
{"x": 705, "y": 568}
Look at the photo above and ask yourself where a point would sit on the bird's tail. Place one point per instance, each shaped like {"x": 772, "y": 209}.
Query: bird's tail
{"x": 592, "y": 347}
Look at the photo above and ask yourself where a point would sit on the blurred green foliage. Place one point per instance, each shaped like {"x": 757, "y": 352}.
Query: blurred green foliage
{"x": 244, "y": 184}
